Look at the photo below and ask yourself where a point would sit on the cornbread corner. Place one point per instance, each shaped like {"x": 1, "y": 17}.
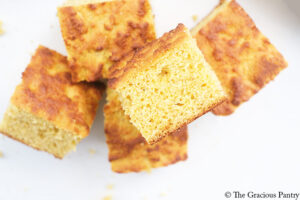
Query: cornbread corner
{"x": 128, "y": 150}
{"x": 166, "y": 85}
{"x": 241, "y": 56}
{"x": 97, "y": 34}
{"x": 47, "y": 111}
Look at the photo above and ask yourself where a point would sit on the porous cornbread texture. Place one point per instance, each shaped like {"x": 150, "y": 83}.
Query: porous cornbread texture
{"x": 166, "y": 85}
{"x": 47, "y": 111}
{"x": 99, "y": 34}
{"x": 241, "y": 56}
{"x": 128, "y": 150}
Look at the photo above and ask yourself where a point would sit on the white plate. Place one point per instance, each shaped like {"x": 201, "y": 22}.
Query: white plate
{"x": 255, "y": 149}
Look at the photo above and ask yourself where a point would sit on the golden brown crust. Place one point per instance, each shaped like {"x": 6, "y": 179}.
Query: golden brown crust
{"x": 242, "y": 57}
{"x": 47, "y": 92}
{"x": 74, "y": 26}
{"x": 96, "y": 37}
{"x": 128, "y": 150}
{"x": 145, "y": 55}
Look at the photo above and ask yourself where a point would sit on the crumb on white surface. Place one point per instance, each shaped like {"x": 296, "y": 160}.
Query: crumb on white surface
{"x": 108, "y": 197}
{"x": 1, "y": 154}
{"x": 92, "y": 151}
{"x": 1, "y": 29}
{"x": 110, "y": 186}
{"x": 163, "y": 194}
{"x": 195, "y": 18}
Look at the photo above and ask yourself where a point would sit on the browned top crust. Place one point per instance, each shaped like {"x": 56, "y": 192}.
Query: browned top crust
{"x": 47, "y": 92}
{"x": 98, "y": 35}
{"x": 128, "y": 150}
{"x": 145, "y": 55}
{"x": 242, "y": 57}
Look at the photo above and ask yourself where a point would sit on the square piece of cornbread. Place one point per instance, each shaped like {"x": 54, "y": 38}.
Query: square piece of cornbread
{"x": 128, "y": 150}
{"x": 166, "y": 85}
{"x": 99, "y": 33}
{"x": 47, "y": 111}
{"x": 241, "y": 56}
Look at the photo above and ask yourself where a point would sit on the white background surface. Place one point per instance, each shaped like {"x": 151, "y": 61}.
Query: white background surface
{"x": 256, "y": 149}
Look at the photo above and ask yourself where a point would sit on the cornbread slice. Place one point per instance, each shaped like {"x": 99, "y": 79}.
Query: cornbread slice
{"x": 242, "y": 57}
{"x": 47, "y": 111}
{"x": 99, "y": 33}
{"x": 128, "y": 150}
{"x": 166, "y": 85}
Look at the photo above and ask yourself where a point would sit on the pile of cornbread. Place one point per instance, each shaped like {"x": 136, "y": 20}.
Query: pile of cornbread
{"x": 154, "y": 86}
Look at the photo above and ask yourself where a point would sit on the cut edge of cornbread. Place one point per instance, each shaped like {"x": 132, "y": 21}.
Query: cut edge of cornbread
{"x": 191, "y": 68}
{"x": 128, "y": 150}
{"x": 145, "y": 55}
{"x": 37, "y": 132}
{"x": 153, "y": 139}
